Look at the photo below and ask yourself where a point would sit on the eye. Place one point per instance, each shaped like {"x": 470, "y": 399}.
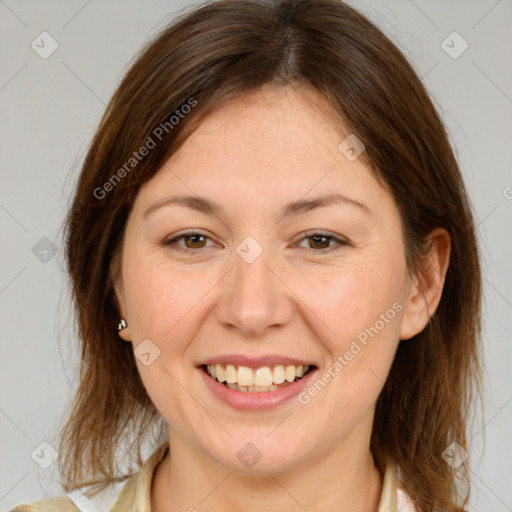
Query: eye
{"x": 193, "y": 240}
{"x": 320, "y": 241}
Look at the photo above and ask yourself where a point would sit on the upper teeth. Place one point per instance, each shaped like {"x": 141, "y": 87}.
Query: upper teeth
{"x": 265, "y": 376}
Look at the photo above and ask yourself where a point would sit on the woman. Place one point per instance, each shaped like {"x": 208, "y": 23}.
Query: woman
{"x": 272, "y": 218}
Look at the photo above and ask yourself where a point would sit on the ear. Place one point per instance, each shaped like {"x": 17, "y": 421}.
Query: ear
{"x": 426, "y": 288}
{"x": 119, "y": 297}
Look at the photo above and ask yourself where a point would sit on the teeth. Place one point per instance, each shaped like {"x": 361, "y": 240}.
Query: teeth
{"x": 279, "y": 375}
{"x": 221, "y": 374}
{"x": 289, "y": 372}
{"x": 263, "y": 379}
{"x": 263, "y": 376}
{"x": 245, "y": 376}
{"x": 254, "y": 389}
{"x": 231, "y": 374}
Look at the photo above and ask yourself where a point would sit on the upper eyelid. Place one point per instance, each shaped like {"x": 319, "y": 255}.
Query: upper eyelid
{"x": 189, "y": 233}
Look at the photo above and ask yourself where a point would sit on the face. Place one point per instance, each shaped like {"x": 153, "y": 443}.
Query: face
{"x": 323, "y": 285}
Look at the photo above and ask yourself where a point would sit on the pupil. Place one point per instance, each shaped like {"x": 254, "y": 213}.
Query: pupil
{"x": 195, "y": 237}
{"x": 317, "y": 238}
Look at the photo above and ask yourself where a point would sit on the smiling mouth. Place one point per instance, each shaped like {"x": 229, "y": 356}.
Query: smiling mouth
{"x": 257, "y": 380}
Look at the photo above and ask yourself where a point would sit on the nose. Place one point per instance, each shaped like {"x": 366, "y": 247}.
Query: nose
{"x": 254, "y": 298}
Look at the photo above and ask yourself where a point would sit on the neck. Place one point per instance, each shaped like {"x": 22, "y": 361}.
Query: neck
{"x": 340, "y": 480}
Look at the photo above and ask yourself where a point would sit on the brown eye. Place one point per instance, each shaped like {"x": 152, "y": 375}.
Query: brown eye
{"x": 195, "y": 241}
{"x": 321, "y": 242}
{"x": 192, "y": 241}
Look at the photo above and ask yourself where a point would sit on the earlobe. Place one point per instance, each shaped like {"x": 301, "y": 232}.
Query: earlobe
{"x": 426, "y": 287}
{"x": 122, "y": 327}
{"x": 123, "y": 331}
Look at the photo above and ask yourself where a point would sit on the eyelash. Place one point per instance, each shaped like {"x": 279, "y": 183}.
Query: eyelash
{"x": 172, "y": 242}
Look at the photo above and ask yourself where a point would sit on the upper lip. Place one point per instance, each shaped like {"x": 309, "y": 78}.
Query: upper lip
{"x": 255, "y": 362}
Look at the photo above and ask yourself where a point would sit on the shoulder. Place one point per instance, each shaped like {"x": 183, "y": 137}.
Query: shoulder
{"x": 76, "y": 501}
{"x": 60, "y": 504}
{"x": 115, "y": 497}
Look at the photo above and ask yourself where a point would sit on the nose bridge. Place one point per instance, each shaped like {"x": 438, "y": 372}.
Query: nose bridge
{"x": 253, "y": 298}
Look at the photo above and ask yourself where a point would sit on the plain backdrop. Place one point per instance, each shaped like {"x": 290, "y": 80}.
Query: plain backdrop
{"x": 49, "y": 110}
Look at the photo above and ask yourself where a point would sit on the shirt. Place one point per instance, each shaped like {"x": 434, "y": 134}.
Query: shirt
{"x": 133, "y": 494}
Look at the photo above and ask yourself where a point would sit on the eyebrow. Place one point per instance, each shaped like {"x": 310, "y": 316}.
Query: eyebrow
{"x": 203, "y": 205}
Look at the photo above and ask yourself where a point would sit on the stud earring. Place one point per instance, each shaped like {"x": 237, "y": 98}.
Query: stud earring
{"x": 122, "y": 324}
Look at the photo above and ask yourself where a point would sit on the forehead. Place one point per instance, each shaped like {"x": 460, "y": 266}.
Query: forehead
{"x": 274, "y": 144}
{"x": 267, "y": 122}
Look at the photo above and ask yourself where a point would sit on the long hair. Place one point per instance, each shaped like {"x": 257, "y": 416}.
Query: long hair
{"x": 222, "y": 50}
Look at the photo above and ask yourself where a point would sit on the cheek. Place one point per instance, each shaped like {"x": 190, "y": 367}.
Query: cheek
{"x": 161, "y": 300}
{"x": 363, "y": 309}
{"x": 361, "y": 306}
{"x": 161, "y": 296}
{"x": 369, "y": 333}
{"x": 351, "y": 300}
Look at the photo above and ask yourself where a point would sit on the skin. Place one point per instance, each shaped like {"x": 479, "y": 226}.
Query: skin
{"x": 252, "y": 156}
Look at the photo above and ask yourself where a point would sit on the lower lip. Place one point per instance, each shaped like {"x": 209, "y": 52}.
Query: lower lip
{"x": 246, "y": 401}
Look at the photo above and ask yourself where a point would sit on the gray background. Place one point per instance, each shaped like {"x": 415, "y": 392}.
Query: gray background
{"x": 49, "y": 110}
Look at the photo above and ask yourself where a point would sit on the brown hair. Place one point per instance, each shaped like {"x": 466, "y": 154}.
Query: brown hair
{"x": 222, "y": 50}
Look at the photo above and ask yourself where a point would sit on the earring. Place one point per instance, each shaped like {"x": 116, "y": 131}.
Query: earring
{"x": 122, "y": 324}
